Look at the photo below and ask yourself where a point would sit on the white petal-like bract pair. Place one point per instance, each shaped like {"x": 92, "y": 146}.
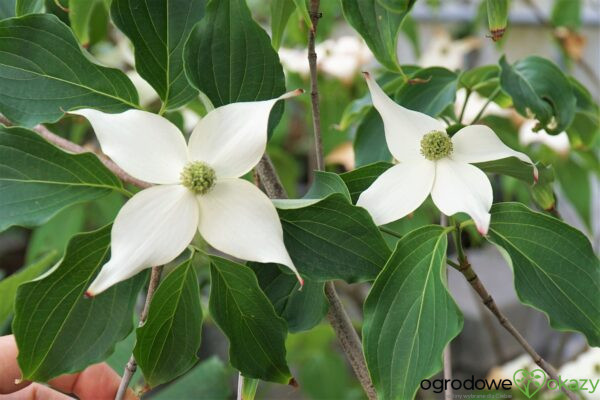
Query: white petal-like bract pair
{"x": 454, "y": 184}
{"x": 159, "y": 222}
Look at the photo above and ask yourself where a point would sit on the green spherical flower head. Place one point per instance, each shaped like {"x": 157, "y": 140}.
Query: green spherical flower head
{"x": 436, "y": 145}
{"x": 198, "y": 177}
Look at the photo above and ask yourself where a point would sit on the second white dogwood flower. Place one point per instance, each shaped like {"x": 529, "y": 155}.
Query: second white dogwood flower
{"x": 198, "y": 187}
{"x": 430, "y": 162}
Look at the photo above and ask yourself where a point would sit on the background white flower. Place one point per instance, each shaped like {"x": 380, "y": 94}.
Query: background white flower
{"x": 559, "y": 143}
{"x": 431, "y": 162}
{"x": 198, "y": 187}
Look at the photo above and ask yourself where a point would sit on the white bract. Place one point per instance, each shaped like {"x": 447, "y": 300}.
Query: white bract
{"x": 430, "y": 162}
{"x": 198, "y": 187}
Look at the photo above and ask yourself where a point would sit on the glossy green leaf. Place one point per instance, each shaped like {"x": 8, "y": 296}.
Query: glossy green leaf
{"x": 9, "y": 285}
{"x": 208, "y": 380}
{"x": 409, "y": 315}
{"x": 229, "y": 56}
{"x": 555, "y": 268}
{"x": 326, "y": 183}
{"x": 168, "y": 341}
{"x": 369, "y": 143}
{"x": 24, "y": 7}
{"x": 60, "y": 331}
{"x": 332, "y": 239}
{"x": 360, "y": 179}
{"x": 281, "y": 10}
{"x": 432, "y": 96}
{"x": 244, "y": 313}
{"x": 539, "y": 90}
{"x": 302, "y": 309}
{"x": 44, "y": 73}
{"x": 37, "y": 179}
{"x": 378, "y": 26}
{"x": 354, "y": 112}
{"x": 80, "y": 14}
{"x": 397, "y": 6}
{"x": 158, "y": 31}
{"x": 511, "y": 166}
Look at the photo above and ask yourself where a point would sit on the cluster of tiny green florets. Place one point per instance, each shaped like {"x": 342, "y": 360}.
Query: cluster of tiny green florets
{"x": 436, "y": 145}
{"x": 198, "y": 177}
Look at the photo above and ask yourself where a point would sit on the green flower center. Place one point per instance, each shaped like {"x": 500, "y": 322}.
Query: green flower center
{"x": 436, "y": 145}
{"x": 198, "y": 177}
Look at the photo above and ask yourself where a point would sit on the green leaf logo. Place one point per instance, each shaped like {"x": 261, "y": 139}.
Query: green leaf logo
{"x": 529, "y": 382}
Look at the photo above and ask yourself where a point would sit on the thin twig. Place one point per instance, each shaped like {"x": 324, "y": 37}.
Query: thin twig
{"x": 337, "y": 316}
{"x": 314, "y": 86}
{"x": 464, "y": 107}
{"x": 448, "y": 392}
{"x": 131, "y": 366}
{"x": 487, "y": 103}
{"x": 71, "y": 147}
{"x": 471, "y": 277}
{"x": 349, "y": 340}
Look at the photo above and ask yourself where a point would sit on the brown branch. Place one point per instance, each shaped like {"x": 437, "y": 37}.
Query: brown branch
{"x": 71, "y": 147}
{"x": 314, "y": 85}
{"x": 131, "y": 365}
{"x": 349, "y": 340}
{"x": 268, "y": 178}
{"x": 464, "y": 267}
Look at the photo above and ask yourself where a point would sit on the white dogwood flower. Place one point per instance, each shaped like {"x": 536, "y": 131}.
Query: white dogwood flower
{"x": 197, "y": 187}
{"x": 430, "y": 162}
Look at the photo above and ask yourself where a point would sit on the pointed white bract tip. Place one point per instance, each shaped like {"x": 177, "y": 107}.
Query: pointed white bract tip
{"x": 291, "y": 94}
{"x": 89, "y": 294}
{"x": 483, "y": 230}
{"x": 301, "y": 283}
{"x": 536, "y": 174}
{"x": 366, "y": 74}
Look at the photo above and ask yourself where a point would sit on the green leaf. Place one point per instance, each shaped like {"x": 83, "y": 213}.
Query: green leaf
{"x": 44, "y": 73}
{"x": 158, "y": 31}
{"x": 303, "y": 9}
{"x": 80, "y": 15}
{"x": 244, "y": 313}
{"x": 167, "y": 343}
{"x": 378, "y": 26}
{"x": 229, "y": 57}
{"x": 302, "y": 309}
{"x": 511, "y": 166}
{"x": 60, "y": 331}
{"x": 208, "y": 380}
{"x": 539, "y": 90}
{"x": 332, "y": 239}
{"x": 574, "y": 180}
{"x": 281, "y": 10}
{"x": 430, "y": 97}
{"x": 369, "y": 143}
{"x": 397, "y": 6}
{"x": 37, "y": 180}
{"x": 360, "y": 179}
{"x": 555, "y": 268}
{"x": 24, "y": 7}
{"x": 56, "y": 233}
{"x": 9, "y": 285}
{"x": 585, "y": 127}
{"x": 326, "y": 183}
{"x": 409, "y": 315}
